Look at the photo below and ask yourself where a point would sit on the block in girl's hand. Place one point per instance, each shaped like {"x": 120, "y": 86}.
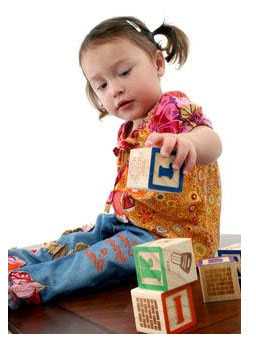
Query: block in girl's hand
{"x": 163, "y": 312}
{"x": 165, "y": 264}
{"x": 148, "y": 169}
{"x": 219, "y": 279}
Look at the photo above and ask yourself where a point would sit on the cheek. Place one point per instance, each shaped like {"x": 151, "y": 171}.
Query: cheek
{"x": 108, "y": 103}
{"x": 146, "y": 80}
{"x": 102, "y": 98}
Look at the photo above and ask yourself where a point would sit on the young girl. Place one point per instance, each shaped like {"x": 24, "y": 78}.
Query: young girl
{"x": 123, "y": 64}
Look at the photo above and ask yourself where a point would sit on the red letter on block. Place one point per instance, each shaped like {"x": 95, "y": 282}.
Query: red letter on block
{"x": 179, "y": 310}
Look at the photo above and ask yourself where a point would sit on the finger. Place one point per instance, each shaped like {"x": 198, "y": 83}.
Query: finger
{"x": 190, "y": 161}
{"x": 182, "y": 152}
{"x": 168, "y": 145}
{"x": 154, "y": 139}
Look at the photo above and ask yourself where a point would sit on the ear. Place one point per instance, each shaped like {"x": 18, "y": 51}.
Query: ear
{"x": 159, "y": 63}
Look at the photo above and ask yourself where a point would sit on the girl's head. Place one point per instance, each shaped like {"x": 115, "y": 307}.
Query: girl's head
{"x": 123, "y": 64}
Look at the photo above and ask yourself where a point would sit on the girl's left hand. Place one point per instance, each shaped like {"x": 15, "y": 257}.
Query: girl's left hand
{"x": 168, "y": 142}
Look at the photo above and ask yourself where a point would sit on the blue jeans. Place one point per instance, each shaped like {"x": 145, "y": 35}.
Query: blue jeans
{"x": 77, "y": 260}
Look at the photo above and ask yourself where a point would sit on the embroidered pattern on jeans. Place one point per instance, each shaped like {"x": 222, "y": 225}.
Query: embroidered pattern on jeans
{"x": 56, "y": 250}
{"x": 119, "y": 255}
{"x": 68, "y": 231}
{"x": 99, "y": 261}
{"x": 127, "y": 243}
{"x": 81, "y": 246}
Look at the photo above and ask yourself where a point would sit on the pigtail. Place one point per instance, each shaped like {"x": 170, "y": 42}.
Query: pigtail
{"x": 177, "y": 43}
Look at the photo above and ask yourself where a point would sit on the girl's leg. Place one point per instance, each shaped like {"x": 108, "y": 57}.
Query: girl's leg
{"x": 70, "y": 242}
{"x": 105, "y": 260}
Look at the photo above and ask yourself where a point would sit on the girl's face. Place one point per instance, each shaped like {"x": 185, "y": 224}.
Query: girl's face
{"x": 124, "y": 77}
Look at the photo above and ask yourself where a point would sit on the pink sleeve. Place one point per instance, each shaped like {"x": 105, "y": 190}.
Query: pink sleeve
{"x": 177, "y": 114}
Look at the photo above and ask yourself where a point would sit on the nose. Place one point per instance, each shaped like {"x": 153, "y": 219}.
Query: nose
{"x": 116, "y": 88}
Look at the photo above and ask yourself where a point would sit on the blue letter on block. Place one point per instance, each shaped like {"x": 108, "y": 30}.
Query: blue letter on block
{"x": 166, "y": 171}
{"x": 162, "y": 178}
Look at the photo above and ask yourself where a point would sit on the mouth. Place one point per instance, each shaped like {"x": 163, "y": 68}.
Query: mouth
{"x": 124, "y": 104}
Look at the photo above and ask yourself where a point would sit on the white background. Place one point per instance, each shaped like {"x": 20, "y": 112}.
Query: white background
{"x": 57, "y": 162}
{"x": 59, "y": 166}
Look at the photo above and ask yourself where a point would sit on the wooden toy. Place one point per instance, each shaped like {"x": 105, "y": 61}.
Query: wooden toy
{"x": 150, "y": 170}
{"x": 219, "y": 279}
{"x": 163, "y": 312}
{"x": 165, "y": 264}
{"x": 234, "y": 251}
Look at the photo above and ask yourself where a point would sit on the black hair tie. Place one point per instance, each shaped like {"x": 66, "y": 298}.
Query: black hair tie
{"x": 171, "y": 37}
{"x": 144, "y": 31}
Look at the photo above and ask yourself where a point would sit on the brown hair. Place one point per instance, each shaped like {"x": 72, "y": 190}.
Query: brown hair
{"x": 137, "y": 32}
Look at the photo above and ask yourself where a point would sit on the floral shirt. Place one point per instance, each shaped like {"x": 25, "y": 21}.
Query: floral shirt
{"x": 193, "y": 213}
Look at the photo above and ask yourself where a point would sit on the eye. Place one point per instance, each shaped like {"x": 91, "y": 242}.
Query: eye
{"x": 125, "y": 73}
{"x": 102, "y": 86}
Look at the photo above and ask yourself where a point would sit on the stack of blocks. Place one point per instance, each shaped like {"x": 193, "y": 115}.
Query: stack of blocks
{"x": 163, "y": 301}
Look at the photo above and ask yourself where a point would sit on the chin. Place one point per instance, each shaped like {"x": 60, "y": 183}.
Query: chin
{"x": 127, "y": 117}
{"x": 131, "y": 117}
{"x": 139, "y": 117}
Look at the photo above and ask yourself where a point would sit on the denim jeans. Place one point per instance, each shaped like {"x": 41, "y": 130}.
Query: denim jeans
{"x": 77, "y": 260}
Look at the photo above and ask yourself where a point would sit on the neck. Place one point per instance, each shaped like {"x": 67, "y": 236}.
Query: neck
{"x": 137, "y": 122}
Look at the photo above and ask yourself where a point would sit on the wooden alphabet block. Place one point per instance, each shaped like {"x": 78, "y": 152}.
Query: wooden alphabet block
{"x": 165, "y": 264}
{"x": 150, "y": 170}
{"x": 163, "y": 312}
{"x": 234, "y": 251}
{"x": 219, "y": 279}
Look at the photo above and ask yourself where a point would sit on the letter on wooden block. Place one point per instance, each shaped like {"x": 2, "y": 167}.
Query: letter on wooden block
{"x": 150, "y": 170}
{"x": 219, "y": 279}
{"x": 165, "y": 264}
{"x": 163, "y": 312}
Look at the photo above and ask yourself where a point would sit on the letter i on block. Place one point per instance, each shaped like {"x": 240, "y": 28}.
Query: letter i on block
{"x": 165, "y": 264}
{"x": 163, "y": 312}
{"x": 148, "y": 169}
{"x": 219, "y": 279}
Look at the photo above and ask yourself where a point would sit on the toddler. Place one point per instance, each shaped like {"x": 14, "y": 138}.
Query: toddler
{"x": 123, "y": 64}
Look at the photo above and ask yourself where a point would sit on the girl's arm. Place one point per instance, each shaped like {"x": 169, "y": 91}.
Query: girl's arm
{"x": 207, "y": 144}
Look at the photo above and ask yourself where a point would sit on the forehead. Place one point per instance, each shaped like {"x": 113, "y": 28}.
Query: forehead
{"x": 101, "y": 57}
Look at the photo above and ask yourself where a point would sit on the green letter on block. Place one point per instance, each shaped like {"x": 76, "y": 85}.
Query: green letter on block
{"x": 150, "y": 268}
